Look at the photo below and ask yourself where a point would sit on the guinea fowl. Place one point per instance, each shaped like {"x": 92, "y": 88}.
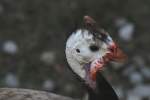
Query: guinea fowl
{"x": 88, "y": 49}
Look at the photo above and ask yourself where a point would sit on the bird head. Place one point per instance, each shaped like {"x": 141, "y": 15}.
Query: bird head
{"x": 89, "y": 48}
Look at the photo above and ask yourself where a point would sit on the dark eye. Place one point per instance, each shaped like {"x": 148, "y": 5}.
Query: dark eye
{"x": 94, "y": 48}
{"x": 78, "y": 50}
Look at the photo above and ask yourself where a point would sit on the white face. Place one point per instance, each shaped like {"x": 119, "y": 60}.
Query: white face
{"x": 82, "y": 48}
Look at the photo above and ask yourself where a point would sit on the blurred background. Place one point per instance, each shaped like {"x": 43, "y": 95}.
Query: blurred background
{"x": 32, "y": 43}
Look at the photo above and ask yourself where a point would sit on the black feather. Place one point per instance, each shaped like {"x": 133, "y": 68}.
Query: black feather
{"x": 104, "y": 90}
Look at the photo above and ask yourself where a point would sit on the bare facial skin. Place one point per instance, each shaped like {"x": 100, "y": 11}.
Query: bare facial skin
{"x": 89, "y": 49}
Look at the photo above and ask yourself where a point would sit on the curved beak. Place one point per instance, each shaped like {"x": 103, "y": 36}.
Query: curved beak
{"x": 115, "y": 53}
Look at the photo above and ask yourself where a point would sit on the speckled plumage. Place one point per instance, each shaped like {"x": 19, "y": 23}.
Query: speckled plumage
{"x": 28, "y": 94}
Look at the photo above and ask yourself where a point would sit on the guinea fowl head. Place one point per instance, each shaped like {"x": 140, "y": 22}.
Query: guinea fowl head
{"x": 88, "y": 49}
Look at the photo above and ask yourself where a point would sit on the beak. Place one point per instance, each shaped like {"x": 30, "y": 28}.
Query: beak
{"x": 115, "y": 53}
{"x": 118, "y": 55}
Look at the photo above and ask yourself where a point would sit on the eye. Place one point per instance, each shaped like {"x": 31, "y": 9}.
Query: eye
{"x": 94, "y": 48}
{"x": 78, "y": 50}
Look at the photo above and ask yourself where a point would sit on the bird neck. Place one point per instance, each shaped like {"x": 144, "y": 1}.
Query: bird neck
{"x": 103, "y": 91}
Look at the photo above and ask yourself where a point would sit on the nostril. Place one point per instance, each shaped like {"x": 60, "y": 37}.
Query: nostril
{"x": 78, "y": 50}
